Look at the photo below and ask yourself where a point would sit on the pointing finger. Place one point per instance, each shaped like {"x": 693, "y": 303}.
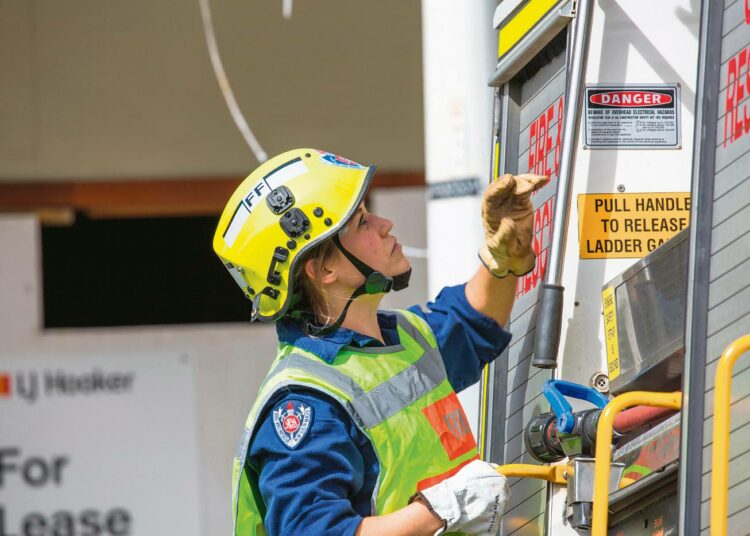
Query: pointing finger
{"x": 530, "y": 183}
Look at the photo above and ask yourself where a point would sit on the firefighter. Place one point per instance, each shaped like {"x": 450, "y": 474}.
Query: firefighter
{"x": 357, "y": 428}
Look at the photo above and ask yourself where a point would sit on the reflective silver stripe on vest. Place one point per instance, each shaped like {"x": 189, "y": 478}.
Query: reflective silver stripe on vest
{"x": 412, "y": 330}
{"x": 323, "y": 371}
{"x": 391, "y": 396}
{"x": 241, "y": 451}
{"x": 385, "y": 400}
{"x": 406, "y": 387}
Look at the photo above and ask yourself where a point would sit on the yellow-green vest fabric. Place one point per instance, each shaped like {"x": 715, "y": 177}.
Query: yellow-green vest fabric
{"x": 399, "y": 396}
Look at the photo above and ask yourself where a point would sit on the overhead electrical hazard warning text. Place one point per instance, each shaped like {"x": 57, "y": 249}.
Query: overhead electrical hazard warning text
{"x": 629, "y": 225}
{"x": 632, "y": 116}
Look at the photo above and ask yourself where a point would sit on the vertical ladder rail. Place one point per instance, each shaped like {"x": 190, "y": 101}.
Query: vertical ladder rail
{"x": 720, "y": 454}
{"x": 603, "y": 452}
{"x": 549, "y": 321}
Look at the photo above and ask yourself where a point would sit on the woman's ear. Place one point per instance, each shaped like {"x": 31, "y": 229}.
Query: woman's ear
{"x": 321, "y": 273}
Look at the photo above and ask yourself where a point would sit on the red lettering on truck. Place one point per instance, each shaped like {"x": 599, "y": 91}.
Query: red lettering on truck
{"x": 540, "y": 242}
{"x": 541, "y": 144}
{"x": 736, "y": 119}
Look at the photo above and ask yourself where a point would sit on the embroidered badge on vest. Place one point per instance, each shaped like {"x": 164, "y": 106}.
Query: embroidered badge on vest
{"x": 292, "y": 421}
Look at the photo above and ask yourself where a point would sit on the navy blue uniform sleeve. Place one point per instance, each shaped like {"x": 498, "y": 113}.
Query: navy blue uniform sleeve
{"x": 467, "y": 338}
{"x": 308, "y": 489}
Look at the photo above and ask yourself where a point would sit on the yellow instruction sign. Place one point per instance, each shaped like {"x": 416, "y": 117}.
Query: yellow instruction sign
{"x": 629, "y": 225}
{"x": 610, "y": 332}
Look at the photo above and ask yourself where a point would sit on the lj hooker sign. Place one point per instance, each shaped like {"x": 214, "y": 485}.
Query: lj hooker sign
{"x": 97, "y": 446}
{"x": 629, "y": 225}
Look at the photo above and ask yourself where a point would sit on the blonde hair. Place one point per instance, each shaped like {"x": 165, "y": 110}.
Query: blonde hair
{"x": 313, "y": 298}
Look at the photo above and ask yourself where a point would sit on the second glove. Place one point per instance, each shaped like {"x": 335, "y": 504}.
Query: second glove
{"x": 472, "y": 501}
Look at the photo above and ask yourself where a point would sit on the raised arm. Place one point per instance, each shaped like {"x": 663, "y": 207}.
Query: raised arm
{"x": 490, "y": 295}
{"x": 508, "y": 220}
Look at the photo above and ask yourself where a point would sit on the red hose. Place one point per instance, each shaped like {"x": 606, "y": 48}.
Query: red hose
{"x": 632, "y": 418}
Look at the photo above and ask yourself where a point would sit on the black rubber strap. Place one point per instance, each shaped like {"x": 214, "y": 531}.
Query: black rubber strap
{"x": 358, "y": 264}
{"x": 313, "y": 329}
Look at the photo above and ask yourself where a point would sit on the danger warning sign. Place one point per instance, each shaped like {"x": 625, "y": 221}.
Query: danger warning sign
{"x": 629, "y": 225}
{"x": 632, "y": 116}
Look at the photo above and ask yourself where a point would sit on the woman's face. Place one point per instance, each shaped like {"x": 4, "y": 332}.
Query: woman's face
{"x": 368, "y": 238}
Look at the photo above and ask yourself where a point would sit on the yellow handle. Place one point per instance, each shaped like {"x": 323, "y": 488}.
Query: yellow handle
{"x": 603, "y": 452}
{"x": 553, "y": 473}
{"x": 720, "y": 455}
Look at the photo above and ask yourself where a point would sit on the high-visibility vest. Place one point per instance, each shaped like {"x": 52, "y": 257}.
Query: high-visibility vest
{"x": 399, "y": 396}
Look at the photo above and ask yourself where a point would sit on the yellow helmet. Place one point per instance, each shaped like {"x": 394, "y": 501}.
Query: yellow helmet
{"x": 280, "y": 211}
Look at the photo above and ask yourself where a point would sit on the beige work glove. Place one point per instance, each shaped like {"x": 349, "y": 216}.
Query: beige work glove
{"x": 508, "y": 219}
{"x": 472, "y": 501}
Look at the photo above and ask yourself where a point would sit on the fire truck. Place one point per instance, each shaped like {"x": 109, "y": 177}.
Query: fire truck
{"x": 622, "y": 405}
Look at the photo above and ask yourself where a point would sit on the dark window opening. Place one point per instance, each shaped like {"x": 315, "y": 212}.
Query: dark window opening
{"x": 140, "y": 271}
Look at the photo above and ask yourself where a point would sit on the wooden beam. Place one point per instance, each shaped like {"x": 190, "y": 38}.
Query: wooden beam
{"x": 144, "y": 197}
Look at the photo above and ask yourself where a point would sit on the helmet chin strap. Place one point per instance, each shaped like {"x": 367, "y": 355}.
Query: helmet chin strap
{"x": 375, "y": 283}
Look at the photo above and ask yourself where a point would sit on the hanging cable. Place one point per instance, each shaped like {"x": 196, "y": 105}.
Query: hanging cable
{"x": 226, "y": 89}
